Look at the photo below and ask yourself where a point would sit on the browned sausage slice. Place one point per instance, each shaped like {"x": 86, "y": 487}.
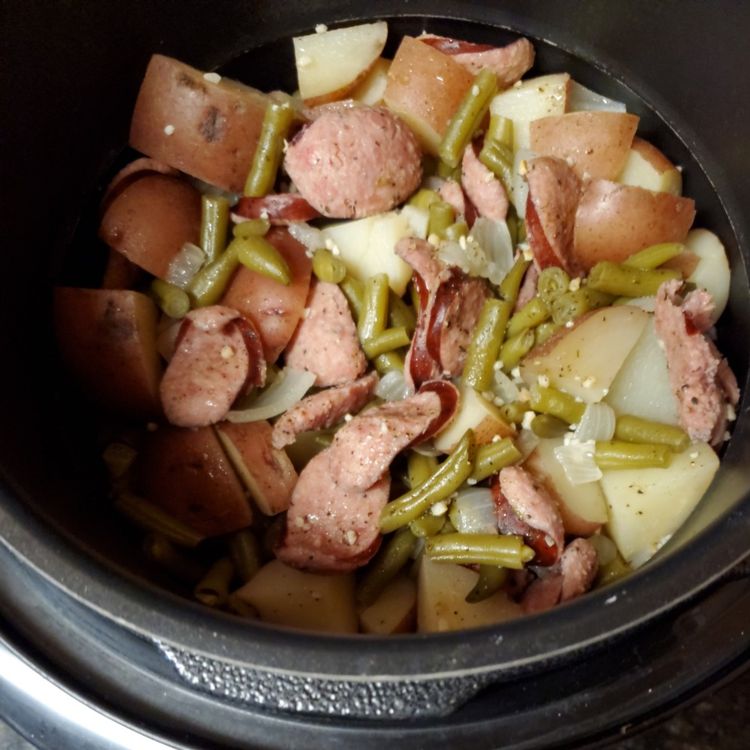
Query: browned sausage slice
{"x": 280, "y": 209}
{"x": 484, "y": 190}
{"x": 422, "y": 257}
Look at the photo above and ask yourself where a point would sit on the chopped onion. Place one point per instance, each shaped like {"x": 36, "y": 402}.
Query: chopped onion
{"x": 581, "y": 99}
{"x": 504, "y": 388}
{"x": 473, "y": 512}
{"x": 288, "y": 388}
{"x": 606, "y": 551}
{"x": 185, "y": 265}
{"x": 393, "y": 387}
{"x": 206, "y": 188}
{"x": 417, "y": 219}
{"x": 486, "y": 252}
{"x": 519, "y": 188}
{"x": 644, "y": 303}
{"x": 427, "y": 449}
{"x": 526, "y": 441}
{"x": 597, "y": 423}
{"x": 577, "y": 460}
{"x": 433, "y": 182}
{"x": 306, "y": 235}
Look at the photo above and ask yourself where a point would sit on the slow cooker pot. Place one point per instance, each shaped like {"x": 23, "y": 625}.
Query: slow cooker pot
{"x": 81, "y": 609}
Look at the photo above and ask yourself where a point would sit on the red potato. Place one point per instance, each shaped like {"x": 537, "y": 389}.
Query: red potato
{"x": 133, "y": 170}
{"x": 425, "y": 88}
{"x": 273, "y": 308}
{"x": 614, "y": 221}
{"x": 595, "y": 144}
{"x": 108, "y": 339}
{"x": 647, "y": 167}
{"x": 119, "y": 273}
{"x": 266, "y": 471}
{"x": 205, "y": 128}
{"x": 150, "y": 220}
{"x": 186, "y": 473}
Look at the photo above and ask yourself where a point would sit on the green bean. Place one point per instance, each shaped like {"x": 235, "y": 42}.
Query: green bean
{"x": 388, "y": 362}
{"x": 244, "y": 552}
{"x": 547, "y": 426}
{"x": 442, "y": 215}
{"x": 214, "y": 226}
{"x": 251, "y": 228}
{"x": 654, "y": 256}
{"x": 151, "y": 517}
{"x": 446, "y": 172}
{"x": 498, "y": 158}
{"x": 484, "y": 347}
{"x": 491, "y": 579}
{"x": 420, "y": 468}
{"x": 636, "y": 430}
{"x": 623, "y": 281}
{"x": 516, "y": 348}
{"x": 208, "y": 285}
{"x": 556, "y": 403}
{"x": 492, "y": 457}
{"x": 160, "y": 550}
{"x": 510, "y": 285}
{"x": 354, "y": 291}
{"x": 514, "y": 412}
{"x": 213, "y": 589}
{"x": 544, "y": 332}
{"x": 505, "y": 550}
{"x": 327, "y": 267}
{"x": 400, "y": 315}
{"x": 307, "y": 446}
{"x": 269, "y": 150}
{"x": 426, "y": 525}
{"x": 569, "y": 306}
{"x": 449, "y": 476}
{"x": 467, "y": 118}
{"x": 374, "y": 314}
{"x": 424, "y": 198}
{"x": 416, "y": 301}
{"x": 457, "y": 230}
{"x": 118, "y": 458}
{"x": 386, "y": 341}
{"x": 511, "y": 221}
{"x": 259, "y": 255}
{"x": 521, "y": 231}
{"x": 391, "y": 558}
{"x": 172, "y": 300}
{"x": 530, "y": 315}
{"x": 617, "y": 454}
{"x": 500, "y": 130}
{"x": 553, "y": 282}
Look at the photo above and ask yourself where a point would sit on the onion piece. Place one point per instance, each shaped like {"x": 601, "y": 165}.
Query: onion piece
{"x": 288, "y": 388}
{"x": 606, "y": 550}
{"x": 581, "y": 99}
{"x": 185, "y": 265}
{"x": 504, "y": 388}
{"x": 577, "y": 460}
{"x": 526, "y": 441}
{"x": 393, "y": 387}
{"x": 519, "y": 188}
{"x": 306, "y": 235}
{"x": 597, "y": 423}
{"x": 644, "y": 303}
{"x": 473, "y": 512}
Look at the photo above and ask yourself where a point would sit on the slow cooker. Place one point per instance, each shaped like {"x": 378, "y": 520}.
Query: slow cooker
{"x": 97, "y": 651}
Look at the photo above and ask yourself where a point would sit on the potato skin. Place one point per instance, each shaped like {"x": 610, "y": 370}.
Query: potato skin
{"x": 214, "y": 126}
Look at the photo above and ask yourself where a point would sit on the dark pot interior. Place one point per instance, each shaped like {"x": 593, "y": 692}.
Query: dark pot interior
{"x": 69, "y": 81}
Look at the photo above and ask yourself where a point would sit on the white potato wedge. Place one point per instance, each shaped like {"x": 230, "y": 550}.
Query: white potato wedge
{"x": 371, "y": 89}
{"x": 287, "y": 596}
{"x": 477, "y": 413}
{"x": 534, "y": 98}
{"x": 712, "y": 272}
{"x": 646, "y": 506}
{"x": 647, "y": 167}
{"x": 584, "y": 360}
{"x": 441, "y": 604}
{"x": 582, "y": 506}
{"x": 330, "y": 64}
{"x": 394, "y": 611}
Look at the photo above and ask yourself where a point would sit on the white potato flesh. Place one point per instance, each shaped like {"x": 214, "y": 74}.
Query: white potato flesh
{"x": 441, "y": 605}
{"x": 394, "y": 611}
{"x": 532, "y": 99}
{"x": 371, "y": 89}
{"x": 647, "y": 167}
{"x": 584, "y": 360}
{"x": 646, "y": 506}
{"x": 366, "y": 246}
{"x": 642, "y": 386}
{"x": 712, "y": 272}
{"x": 331, "y": 63}
{"x": 287, "y": 596}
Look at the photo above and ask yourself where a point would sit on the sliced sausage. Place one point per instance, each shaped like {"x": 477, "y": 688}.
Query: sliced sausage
{"x": 323, "y": 409}
{"x": 355, "y": 162}
{"x": 698, "y": 308}
{"x": 280, "y": 209}
{"x": 452, "y": 192}
{"x": 326, "y": 342}
{"x": 527, "y": 292}
{"x": 422, "y": 257}
{"x": 217, "y": 358}
{"x": 701, "y": 380}
{"x": 484, "y": 190}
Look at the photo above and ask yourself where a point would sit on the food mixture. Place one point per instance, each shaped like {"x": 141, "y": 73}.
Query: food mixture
{"x": 425, "y": 345}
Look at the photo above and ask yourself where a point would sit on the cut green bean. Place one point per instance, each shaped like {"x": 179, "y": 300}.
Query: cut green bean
{"x": 491, "y": 579}
{"x": 500, "y": 130}
{"x": 427, "y": 525}
{"x": 530, "y": 315}
{"x": 450, "y": 475}
{"x": 485, "y": 344}
{"x": 389, "y": 561}
{"x": 424, "y": 198}
{"x": 544, "y": 332}
{"x": 511, "y": 221}
{"x": 635, "y": 430}
{"x": 654, "y": 256}
{"x": 118, "y": 458}
{"x": 457, "y": 230}
{"x": 617, "y": 454}
{"x": 547, "y": 426}
{"x": 172, "y": 300}
{"x": 259, "y": 255}
{"x": 553, "y": 282}
{"x": 213, "y": 589}
{"x": 327, "y": 267}
{"x": 151, "y": 517}
{"x": 400, "y": 315}
{"x": 623, "y": 281}
{"x": 557, "y": 404}
{"x": 420, "y": 468}
{"x": 374, "y": 314}
{"x": 467, "y": 118}
{"x": 268, "y": 153}
{"x": 386, "y": 341}
{"x": 492, "y": 457}
{"x": 251, "y": 228}
{"x": 514, "y": 412}
{"x": 208, "y": 285}
{"x": 214, "y": 226}
{"x": 354, "y": 291}
{"x": 442, "y": 215}
{"x": 160, "y": 550}
{"x": 511, "y": 284}
{"x": 244, "y": 552}
{"x": 446, "y": 172}
{"x": 516, "y": 348}
{"x": 569, "y": 306}
{"x": 498, "y": 158}
{"x": 505, "y": 550}
{"x": 388, "y": 362}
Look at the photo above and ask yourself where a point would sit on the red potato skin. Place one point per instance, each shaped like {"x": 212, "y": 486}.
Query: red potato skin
{"x": 108, "y": 340}
{"x": 216, "y": 125}
{"x": 280, "y": 208}
{"x": 132, "y": 171}
{"x": 186, "y": 473}
{"x": 150, "y": 219}
{"x": 119, "y": 273}
{"x": 274, "y": 309}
